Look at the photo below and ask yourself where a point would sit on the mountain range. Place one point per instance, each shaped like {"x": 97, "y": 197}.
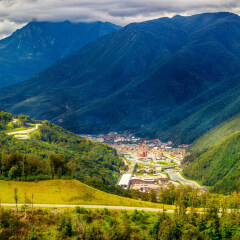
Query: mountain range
{"x": 173, "y": 78}
{"x": 38, "y": 45}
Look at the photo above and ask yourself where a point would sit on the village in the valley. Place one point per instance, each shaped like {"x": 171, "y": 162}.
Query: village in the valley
{"x": 152, "y": 164}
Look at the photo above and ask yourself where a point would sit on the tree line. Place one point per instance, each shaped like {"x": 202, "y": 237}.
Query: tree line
{"x": 213, "y": 224}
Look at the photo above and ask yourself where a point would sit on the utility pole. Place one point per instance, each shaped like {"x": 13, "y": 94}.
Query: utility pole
{"x": 32, "y": 203}
{"x": 163, "y": 211}
{"x": 16, "y": 198}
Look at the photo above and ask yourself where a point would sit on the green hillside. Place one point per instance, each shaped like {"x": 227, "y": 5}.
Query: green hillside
{"x": 219, "y": 166}
{"x": 52, "y": 152}
{"x": 217, "y": 134}
{"x": 65, "y": 192}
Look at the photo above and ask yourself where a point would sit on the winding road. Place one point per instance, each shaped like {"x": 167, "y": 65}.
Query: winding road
{"x": 24, "y": 134}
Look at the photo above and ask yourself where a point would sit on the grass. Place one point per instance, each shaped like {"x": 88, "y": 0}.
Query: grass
{"x": 66, "y": 192}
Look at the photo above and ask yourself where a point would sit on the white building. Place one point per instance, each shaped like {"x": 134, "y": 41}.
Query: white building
{"x": 125, "y": 180}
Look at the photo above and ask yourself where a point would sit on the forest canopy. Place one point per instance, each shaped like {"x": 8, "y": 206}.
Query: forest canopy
{"x": 53, "y": 152}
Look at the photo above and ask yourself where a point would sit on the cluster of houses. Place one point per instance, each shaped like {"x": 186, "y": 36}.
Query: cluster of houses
{"x": 113, "y": 138}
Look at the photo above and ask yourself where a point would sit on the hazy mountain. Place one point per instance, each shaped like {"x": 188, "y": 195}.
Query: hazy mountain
{"x": 40, "y": 44}
{"x": 147, "y": 76}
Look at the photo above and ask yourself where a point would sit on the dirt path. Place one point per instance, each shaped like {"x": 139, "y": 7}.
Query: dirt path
{"x": 91, "y": 206}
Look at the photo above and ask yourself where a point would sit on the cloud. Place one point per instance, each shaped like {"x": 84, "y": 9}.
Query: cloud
{"x": 15, "y": 13}
{"x": 7, "y": 27}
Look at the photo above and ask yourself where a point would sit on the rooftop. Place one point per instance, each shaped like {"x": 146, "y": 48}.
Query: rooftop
{"x": 125, "y": 179}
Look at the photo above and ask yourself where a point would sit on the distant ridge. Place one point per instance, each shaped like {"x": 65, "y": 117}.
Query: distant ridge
{"x": 38, "y": 45}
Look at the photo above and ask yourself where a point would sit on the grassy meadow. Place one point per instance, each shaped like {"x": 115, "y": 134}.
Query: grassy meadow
{"x": 66, "y": 192}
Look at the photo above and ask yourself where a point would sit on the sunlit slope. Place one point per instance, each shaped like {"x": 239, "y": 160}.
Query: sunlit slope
{"x": 218, "y": 167}
{"x": 65, "y": 192}
{"x": 217, "y": 134}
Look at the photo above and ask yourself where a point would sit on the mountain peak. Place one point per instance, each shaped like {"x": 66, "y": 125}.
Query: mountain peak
{"x": 38, "y": 45}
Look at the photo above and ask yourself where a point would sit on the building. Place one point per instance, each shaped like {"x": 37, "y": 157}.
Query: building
{"x": 143, "y": 181}
{"x": 142, "y": 154}
{"x": 148, "y": 181}
{"x": 125, "y": 180}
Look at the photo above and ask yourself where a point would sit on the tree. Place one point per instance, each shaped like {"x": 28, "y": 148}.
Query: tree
{"x": 16, "y": 198}
{"x": 58, "y": 164}
{"x": 153, "y": 196}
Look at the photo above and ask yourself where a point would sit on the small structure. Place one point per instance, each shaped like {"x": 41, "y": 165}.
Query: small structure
{"x": 158, "y": 169}
{"x": 164, "y": 180}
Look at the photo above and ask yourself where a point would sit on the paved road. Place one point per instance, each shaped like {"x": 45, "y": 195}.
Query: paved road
{"x": 90, "y": 206}
{"x": 131, "y": 168}
{"x": 176, "y": 176}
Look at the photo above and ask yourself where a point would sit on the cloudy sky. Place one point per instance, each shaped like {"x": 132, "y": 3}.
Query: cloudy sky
{"x": 16, "y": 13}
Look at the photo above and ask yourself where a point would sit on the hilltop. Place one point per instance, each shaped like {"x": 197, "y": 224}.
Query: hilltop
{"x": 52, "y": 152}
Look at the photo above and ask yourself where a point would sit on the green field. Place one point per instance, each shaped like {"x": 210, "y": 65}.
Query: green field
{"x": 65, "y": 192}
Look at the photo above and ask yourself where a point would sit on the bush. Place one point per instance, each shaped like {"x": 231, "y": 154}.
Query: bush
{"x": 81, "y": 210}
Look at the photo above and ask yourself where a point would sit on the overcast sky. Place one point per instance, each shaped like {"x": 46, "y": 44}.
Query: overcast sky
{"x": 16, "y": 13}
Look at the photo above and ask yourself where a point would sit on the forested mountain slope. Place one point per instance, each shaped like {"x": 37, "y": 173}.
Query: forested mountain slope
{"x": 53, "y": 152}
{"x": 218, "y": 166}
{"x": 156, "y": 77}
{"x": 38, "y": 45}
{"x": 217, "y": 134}
{"x": 201, "y": 114}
